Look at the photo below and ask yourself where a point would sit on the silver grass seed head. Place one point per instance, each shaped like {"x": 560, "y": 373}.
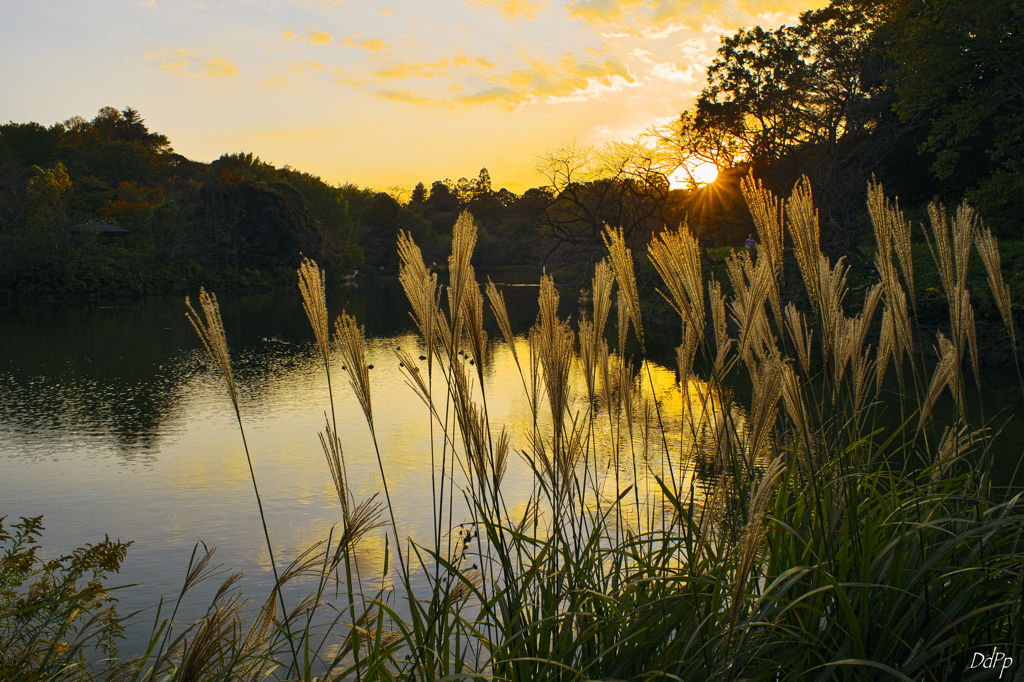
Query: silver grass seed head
{"x": 314, "y": 301}
{"x": 211, "y": 333}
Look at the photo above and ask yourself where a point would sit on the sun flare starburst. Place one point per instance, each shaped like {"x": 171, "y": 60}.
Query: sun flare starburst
{"x": 688, "y": 177}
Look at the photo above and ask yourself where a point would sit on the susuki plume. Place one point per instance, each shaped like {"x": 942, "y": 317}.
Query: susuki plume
{"x": 314, "y": 302}
{"x": 622, "y": 262}
{"x": 420, "y": 288}
{"x": 988, "y": 247}
{"x": 349, "y": 337}
{"x": 800, "y": 333}
{"x": 945, "y": 375}
{"x": 211, "y": 333}
{"x": 803, "y": 221}
{"x": 749, "y": 547}
{"x": 676, "y": 258}
{"x": 767, "y": 212}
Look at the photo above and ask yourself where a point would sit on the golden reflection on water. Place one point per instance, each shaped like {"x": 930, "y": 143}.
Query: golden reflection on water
{"x": 669, "y": 437}
{"x": 195, "y": 484}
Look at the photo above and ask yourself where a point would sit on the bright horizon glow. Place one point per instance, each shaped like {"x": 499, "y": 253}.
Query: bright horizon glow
{"x": 703, "y": 174}
{"x": 379, "y": 94}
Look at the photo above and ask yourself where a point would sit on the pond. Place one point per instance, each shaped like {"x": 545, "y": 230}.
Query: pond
{"x": 111, "y": 424}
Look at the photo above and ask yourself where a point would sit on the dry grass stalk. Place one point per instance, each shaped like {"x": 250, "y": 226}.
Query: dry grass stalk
{"x": 988, "y": 247}
{"x": 365, "y": 517}
{"x": 901, "y": 320}
{"x": 723, "y": 343}
{"x": 604, "y": 278}
{"x": 361, "y": 628}
{"x": 201, "y": 570}
{"x": 945, "y": 375}
{"x": 751, "y": 285}
{"x": 953, "y": 252}
{"x": 796, "y": 409}
{"x": 469, "y": 583}
{"x": 352, "y": 345}
{"x": 713, "y": 418}
{"x": 968, "y": 330}
{"x": 556, "y": 353}
{"x": 588, "y": 355}
{"x": 767, "y": 212}
{"x": 603, "y": 365}
{"x": 800, "y": 334}
{"x": 943, "y": 251}
{"x": 964, "y": 228}
{"x": 867, "y": 317}
{"x": 306, "y": 563}
{"x": 881, "y": 219}
{"x": 499, "y": 465}
{"x": 833, "y": 289}
{"x": 953, "y": 260}
{"x": 462, "y": 275}
{"x": 592, "y": 331}
{"x": 751, "y": 541}
{"x": 314, "y": 302}
{"x": 887, "y": 347}
{"x": 628, "y": 391}
{"x": 622, "y": 262}
{"x": 473, "y": 310}
{"x": 861, "y": 367}
{"x": 891, "y": 227}
{"x": 415, "y": 379}
{"x": 420, "y": 288}
{"x": 559, "y": 465}
{"x": 803, "y": 220}
{"x": 684, "y": 361}
{"x": 331, "y": 444}
{"x": 472, "y": 421}
{"x": 497, "y": 300}
{"x": 764, "y": 407}
{"x": 211, "y": 333}
{"x": 850, "y": 345}
{"x": 357, "y": 521}
{"x": 897, "y": 229}
{"x": 622, "y": 308}
{"x": 218, "y": 630}
{"x": 676, "y": 257}
{"x": 954, "y": 443}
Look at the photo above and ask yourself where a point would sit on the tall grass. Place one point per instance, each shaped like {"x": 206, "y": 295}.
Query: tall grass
{"x": 821, "y": 544}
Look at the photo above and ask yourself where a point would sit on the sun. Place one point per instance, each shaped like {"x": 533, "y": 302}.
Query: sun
{"x": 702, "y": 174}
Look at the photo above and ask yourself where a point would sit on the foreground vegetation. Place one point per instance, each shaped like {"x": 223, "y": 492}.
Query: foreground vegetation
{"x": 820, "y": 545}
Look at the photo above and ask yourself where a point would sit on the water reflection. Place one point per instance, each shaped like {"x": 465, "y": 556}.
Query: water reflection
{"x": 111, "y": 424}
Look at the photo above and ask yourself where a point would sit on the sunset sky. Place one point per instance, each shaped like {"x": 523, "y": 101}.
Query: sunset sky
{"x": 377, "y": 93}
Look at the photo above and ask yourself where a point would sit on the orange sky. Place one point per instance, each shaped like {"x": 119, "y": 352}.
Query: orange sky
{"x": 379, "y": 94}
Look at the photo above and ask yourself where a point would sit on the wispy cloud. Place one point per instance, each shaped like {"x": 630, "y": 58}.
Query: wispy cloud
{"x": 387, "y": 12}
{"x": 299, "y": 67}
{"x": 182, "y": 62}
{"x": 318, "y": 38}
{"x": 374, "y": 45}
{"x": 177, "y": 68}
{"x": 602, "y": 11}
{"x": 218, "y": 68}
{"x": 512, "y": 9}
{"x": 288, "y": 34}
{"x": 401, "y": 96}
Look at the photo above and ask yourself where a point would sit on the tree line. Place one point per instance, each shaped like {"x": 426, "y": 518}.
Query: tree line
{"x": 926, "y": 96}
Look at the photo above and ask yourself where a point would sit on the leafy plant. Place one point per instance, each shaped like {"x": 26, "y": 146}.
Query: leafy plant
{"x": 52, "y": 612}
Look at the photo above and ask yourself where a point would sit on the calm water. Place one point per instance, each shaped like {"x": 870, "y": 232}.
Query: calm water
{"x": 109, "y": 426}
